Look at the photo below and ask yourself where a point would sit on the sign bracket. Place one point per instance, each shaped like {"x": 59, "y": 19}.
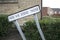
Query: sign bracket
{"x": 38, "y": 27}
{"x": 19, "y": 29}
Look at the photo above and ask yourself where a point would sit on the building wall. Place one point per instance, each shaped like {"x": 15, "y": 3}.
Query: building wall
{"x": 44, "y": 11}
{"x": 56, "y": 13}
{"x": 50, "y": 11}
{"x": 10, "y": 8}
{"x": 23, "y": 4}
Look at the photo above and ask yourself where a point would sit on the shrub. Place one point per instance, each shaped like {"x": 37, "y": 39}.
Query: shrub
{"x": 4, "y": 25}
{"x": 50, "y": 28}
{"x": 31, "y": 31}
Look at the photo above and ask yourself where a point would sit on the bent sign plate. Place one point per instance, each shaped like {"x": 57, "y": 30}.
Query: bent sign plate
{"x": 30, "y": 11}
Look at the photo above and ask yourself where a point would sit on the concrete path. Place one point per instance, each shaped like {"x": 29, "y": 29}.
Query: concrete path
{"x": 13, "y": 35}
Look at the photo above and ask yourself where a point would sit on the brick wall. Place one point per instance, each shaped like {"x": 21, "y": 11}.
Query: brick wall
{"x": 13, "y": 7}
{"x": 8, "y": 8}
{"x": 44, "y": 11}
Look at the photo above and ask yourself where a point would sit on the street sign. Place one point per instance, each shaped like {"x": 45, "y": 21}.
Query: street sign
{"x": 24, "y": 13}
{"x": 27, "y": 12}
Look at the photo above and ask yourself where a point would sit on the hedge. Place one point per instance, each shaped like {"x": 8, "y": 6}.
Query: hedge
{"x": 4, "y": 25}
{"x": 50, "y": 28}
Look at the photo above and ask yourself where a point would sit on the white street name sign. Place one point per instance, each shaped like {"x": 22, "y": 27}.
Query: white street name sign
{"x": 24, "y": 13}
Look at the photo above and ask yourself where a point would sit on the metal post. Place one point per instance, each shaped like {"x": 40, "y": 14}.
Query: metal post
{"x": 19, "y": 29}
{"x": 41, "y": 9}
{"x": 38, "y": 27}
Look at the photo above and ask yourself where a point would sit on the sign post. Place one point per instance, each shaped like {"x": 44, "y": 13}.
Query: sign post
{"x": 24, "y": 13}
{"x": 38, "y": 27}
{"x": 19, "y": 29}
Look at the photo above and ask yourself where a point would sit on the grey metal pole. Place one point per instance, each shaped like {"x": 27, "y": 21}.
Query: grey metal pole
{"x": 19, "y": 29}
{"x": 38, "y": 27}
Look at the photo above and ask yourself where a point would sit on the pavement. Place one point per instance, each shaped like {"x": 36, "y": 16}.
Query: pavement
{"x": 13, "y": 35}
